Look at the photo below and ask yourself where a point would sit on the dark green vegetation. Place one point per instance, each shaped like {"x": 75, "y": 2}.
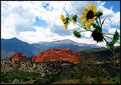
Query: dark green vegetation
{"x": 101, "y": 54}
{"x": 91, "y": 73}
{"x": 28, "y": 78}
{"x": 8, "y": 77}
{"x": 88, "y": 71}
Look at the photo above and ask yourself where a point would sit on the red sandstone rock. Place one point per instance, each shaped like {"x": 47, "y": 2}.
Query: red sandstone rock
{"x": 77, "y": 53}
{"x": 18, "y": 57}
{"x": 57, "y": 55}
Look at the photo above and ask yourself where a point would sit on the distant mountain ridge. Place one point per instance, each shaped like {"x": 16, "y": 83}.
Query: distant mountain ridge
{"x": 13, "y": 45}
{"x": 66, "y": 43}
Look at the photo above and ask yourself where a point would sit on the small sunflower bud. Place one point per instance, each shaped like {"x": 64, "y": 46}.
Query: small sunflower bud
{"x": 76, "y": 33}
{"x": 99, "y": 13}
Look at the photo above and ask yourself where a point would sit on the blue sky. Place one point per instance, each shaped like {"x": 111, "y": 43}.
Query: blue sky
{"x": 114, "y": 4}
{"x": 37, "y": 21}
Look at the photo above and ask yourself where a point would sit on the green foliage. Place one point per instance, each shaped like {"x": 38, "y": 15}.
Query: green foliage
{"x": 114, "y": 40}
{"x": 115, "y": 37}
{"x": 87, "y": 68}
{"x": 96, "y": 27}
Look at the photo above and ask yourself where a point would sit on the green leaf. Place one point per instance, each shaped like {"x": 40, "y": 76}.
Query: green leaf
{"x": 114, "y": 40}
{"x": 115, "y": 37}
{"x": 96, "y": 27}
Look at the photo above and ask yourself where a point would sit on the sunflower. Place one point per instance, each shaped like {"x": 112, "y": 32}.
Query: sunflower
{"x": 65, "y": 21}
{"x": 88, "y": 17}
{"x": 73, "y": 19}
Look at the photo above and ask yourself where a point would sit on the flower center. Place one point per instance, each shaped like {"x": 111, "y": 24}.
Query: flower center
{"x": 90, "y": 15}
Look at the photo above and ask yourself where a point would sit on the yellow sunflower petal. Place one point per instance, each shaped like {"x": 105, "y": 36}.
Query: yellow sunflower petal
{"x": 94, "y": 8}
{"x": 85, "y": 9}
{"x": 90, "y": 7}
{"x": 66, "y": 26}
{"x": 83, "y": 23}
{"x": 62, "y": 17}
{"x": 94, "y": 17}
{"x": 71, "y": 18}
{"x": 91, "y": 20}
{"x": 83, "y": 16}
{"x": 64, "y": 21}
{"x": 89, "y": 23}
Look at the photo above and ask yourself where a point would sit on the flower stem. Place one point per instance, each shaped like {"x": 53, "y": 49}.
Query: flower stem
{"x": 105, "y": 40}
{"x": 115, "y": 58}
{"x": 108, "y": 34}
{"x": 84, "y": 28}
{"x": 84, "y": 31}
{"x": 100, "y": 22}
{"x": 97, "y": 22}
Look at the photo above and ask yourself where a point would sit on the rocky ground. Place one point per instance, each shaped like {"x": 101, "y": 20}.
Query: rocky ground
{"x": 43, "y": 68}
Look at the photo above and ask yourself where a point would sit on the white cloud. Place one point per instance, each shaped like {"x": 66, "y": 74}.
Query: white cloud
{"x": 115, "y": 19}
{"x": 71, "y": 26}
{"x": 41, "y": 34}
{"x": 14, "y": 15}
{"x": 107, "y": 23}
{"x": 106, "y": 12}
{"x": 86, "y": 34}
{"x": 112, "y": 30}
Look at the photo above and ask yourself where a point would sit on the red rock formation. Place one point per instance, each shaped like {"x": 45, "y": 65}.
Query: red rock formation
{"x": 18, "y": 57}
{"x": 77, "y": 53}
{"x": 57, "y": 55}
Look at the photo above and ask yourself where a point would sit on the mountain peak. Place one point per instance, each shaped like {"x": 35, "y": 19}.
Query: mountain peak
{"x": 14, "y": 38}
{"x": 65, "y": 41}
